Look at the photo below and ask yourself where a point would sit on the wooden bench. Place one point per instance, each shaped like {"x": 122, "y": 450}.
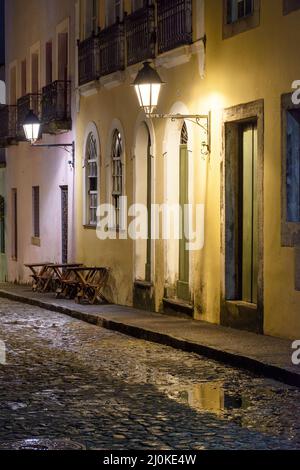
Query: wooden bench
{"x": 90, "y": 283}
{"x": 49, "y": 276}
{"x": 67, "y": 281}
{"x": 40, "y": 275}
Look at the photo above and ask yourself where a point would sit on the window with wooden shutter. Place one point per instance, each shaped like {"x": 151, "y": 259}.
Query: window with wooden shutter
{"x": 238, "y": 9}
{"x": 240, "y": 16}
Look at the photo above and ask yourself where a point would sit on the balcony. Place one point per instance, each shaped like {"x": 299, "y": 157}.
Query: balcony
{"x": 158, "y": 30}
{"x": 112, "y": 46}
{"x": 140, "y": 35}
{"x": 56, "y": 107}
{"x": 24, "y": 105}
{"x": 88, "y": 60}
{"x": 174, "y": 24}
{"x": 8, "y": 125}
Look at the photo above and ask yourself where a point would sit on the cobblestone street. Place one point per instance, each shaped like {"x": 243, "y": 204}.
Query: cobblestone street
{"x": 74, "y": 382}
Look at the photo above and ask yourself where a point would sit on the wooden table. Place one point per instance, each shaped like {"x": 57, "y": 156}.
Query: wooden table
{"x": 40, "y": 275}
{"x": 60, "y": 274}
{"x": 91, "y": 281}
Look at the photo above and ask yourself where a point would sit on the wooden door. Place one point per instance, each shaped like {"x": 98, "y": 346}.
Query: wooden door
{"x": 183, "y": 291}
{"x": 249, "y": 225}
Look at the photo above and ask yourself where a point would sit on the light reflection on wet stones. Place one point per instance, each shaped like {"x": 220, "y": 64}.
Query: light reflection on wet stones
{"x": 42, "y": 445}
{"x": 66, "y": 379}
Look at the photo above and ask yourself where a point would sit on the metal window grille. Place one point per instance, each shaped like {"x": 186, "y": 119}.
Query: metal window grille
{"x": 36, "y": 210}
{"x": 14, "y": 224}
{"x": 184, "y": 135}
{"x": 117, "y": 173}
{"x": 92, "y": 178}
{"x": 174, "y": 24}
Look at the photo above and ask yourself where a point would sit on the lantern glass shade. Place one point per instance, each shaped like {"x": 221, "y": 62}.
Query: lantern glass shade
{"x": 31, "y": 126}
{"x": 147, "y": 86}
{"x": 148, "y": 95}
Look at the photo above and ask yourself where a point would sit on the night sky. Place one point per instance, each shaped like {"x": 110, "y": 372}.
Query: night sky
{"x": 2, "y": 50}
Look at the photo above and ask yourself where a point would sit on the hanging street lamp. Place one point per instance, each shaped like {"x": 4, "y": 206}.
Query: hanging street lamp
{"x": 148, "y": 85}
{"x": 32, "y": 125}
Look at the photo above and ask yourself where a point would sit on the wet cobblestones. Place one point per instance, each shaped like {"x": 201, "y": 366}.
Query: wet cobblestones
{"x": 69, "y": 380}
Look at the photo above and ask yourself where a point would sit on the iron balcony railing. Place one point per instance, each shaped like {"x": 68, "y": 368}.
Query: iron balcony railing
{"x": 8, "y": 125}
{"x": 24, "y": 105}
{"x": 112, "y": 48}
{"x": 56, "y": 103}
{"x": 140, "y": 35}
{"x": 154, "y": 29}
{"x": 88, "y": 60}
{"x": 174, "y": 24}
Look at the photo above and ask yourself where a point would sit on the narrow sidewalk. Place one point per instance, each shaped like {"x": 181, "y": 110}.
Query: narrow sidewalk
{"x": 263, "y": 355}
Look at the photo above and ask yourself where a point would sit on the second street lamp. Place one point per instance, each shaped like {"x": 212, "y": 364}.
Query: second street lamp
{"x": 32, "y": 125}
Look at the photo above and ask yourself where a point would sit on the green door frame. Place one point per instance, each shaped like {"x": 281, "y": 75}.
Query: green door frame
{"x": 248, "y": 201}
{"x": 183, "y": 291}
{"x": 149, "y": 200}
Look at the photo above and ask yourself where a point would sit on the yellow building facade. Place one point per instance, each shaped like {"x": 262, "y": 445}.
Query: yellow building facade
{"x": 233, "y": 61}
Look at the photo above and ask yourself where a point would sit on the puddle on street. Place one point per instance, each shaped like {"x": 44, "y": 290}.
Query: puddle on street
{"x": 257, "y": 410}
{"x": 42, "y": 445}
{"x": 210, "y": 397}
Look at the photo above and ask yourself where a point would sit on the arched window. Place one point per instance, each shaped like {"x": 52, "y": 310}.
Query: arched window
{"x": 91, "y": 167}
{"x": 2, "y": 225}
{"x": 184, "y": 135}
{"x": 117, "y": 173}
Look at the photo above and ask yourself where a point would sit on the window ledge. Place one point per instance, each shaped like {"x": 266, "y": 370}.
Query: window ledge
{"x": 242, "y": 303}
{"x": 175, "y": 57}
{"x": 116, "y": 229}
{"x": 112, "y": 80}
{"x": 90, "y": 88}
{"x": 36, "y": 241}
{"x": 143, "y": 284}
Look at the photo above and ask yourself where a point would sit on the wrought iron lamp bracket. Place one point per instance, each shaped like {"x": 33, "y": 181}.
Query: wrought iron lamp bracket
{"x": 70, "y": 148}
{"x": 201, "y": 120}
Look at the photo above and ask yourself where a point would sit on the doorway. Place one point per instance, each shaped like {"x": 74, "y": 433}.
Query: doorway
{"x": 143, "y": 196}
{"x": 242, "y": 217}
{"x": 143, "y": 289}
{"x": 64, "y": 223}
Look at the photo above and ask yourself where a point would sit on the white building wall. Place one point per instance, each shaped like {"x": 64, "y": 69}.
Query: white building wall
{"x": 47, "y": 168}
